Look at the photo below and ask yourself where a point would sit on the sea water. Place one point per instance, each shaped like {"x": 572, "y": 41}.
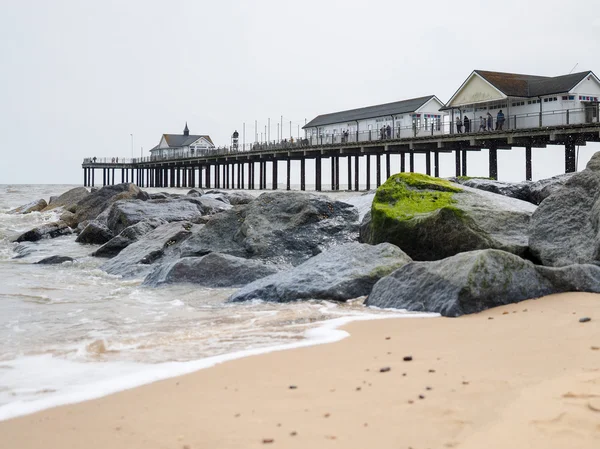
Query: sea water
{"x": 72, "y": 332}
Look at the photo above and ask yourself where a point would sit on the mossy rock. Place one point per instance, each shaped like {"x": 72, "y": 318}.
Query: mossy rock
{"x": 432, "y": 218}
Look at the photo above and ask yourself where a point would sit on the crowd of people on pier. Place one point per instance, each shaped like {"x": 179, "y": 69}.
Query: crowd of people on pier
{"x": 485, "y": 123}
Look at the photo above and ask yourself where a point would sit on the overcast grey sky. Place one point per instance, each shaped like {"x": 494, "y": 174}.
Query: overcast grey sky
{"x": 78, "y": 77}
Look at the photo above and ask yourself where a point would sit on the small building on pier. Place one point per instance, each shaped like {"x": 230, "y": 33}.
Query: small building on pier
{"x": 526, "y": 101}
{"x": 407, "y": 118}
{"x": 180, "y": 145}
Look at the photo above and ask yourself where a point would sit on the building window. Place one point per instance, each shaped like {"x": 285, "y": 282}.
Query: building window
{"x": 571, "y": 97}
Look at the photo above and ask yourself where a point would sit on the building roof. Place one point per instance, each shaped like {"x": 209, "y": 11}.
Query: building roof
{"x": 516, "y": 85}
{"x": 181, "y": 140}
{"x": 381, "y": 110}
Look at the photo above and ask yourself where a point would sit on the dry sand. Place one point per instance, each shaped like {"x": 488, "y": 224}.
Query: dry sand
{"x": 520, "y": 376}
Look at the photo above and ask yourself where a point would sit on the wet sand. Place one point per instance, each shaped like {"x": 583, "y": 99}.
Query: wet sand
{"x": 521, "y": 376}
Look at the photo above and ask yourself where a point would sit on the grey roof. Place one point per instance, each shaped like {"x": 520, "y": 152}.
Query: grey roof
{"x": 381, "y": 110}
{"x": 180, "y": 140}
{"x": 516, "y": 85}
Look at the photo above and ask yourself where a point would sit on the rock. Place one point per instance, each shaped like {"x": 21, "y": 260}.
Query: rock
{"x": 90, "y": 207}
{"x": 280, "y": 227}
{"x": 340, "y": 273}
{"x": 162, "y": 196}
{"x": 196, "y": 193}
{"x": 385, "y": 369}
{"x": 237, "y": 198}
{"x": 365, "y": 228}
{"x": 431, "y": 219}
{"x": 69, "y": 199}
{"x": 585, "y": 319}
{"x": 213, "y": 270}
{"x": 538, "y": 191}
{"x": 55, "y": 260}
{"x": 208, "y": 205}
{"x": 34, "y": 206}
{"x": 565, "y": 228}
{"x": 161, "y": 244}
{"x": 218, "y": 196}
{"x": 123, "y": 214}
{"x": 94, "y": 233}
{"x": 69, "y": 219}
{"x": 45, "y": 231}
{"x": 474, "y": 281}
{"x": 127, "y": 237}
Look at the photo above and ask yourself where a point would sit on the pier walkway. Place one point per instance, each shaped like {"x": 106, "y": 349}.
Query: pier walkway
{"x": 235, "y": 168}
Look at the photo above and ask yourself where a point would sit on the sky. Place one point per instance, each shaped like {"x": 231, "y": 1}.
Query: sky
{"x": 84, "y": 78}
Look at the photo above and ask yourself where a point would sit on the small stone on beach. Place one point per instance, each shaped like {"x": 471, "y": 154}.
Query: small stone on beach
{"x": 585, "y": 319}
{"x": 432, "y": 371}
{"x": 385, "y": 369}
{"x": 293, "y": 433}
{"x": 388, "y": 338}
{"x": 293, "y": 387}
{"x": 268, "y": 440}
{"x": 407, "y": 358}
{"x": 595, "y": 348}
{"x": 421, "y": 396}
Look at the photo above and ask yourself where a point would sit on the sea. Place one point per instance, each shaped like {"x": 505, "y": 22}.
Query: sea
{"x": 72, "y": 332}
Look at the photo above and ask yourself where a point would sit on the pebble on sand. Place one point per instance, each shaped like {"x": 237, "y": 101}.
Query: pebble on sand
{"x": 268, "y": 440}
{"x": 585, "y": 319}
{"x": 408, "y": 358}
{"x": 385, "y": 369}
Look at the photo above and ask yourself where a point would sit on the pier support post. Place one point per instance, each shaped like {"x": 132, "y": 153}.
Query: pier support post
{"x": 274, "y": 173}
{"x": 368, "y": 156}
{"x": 85, "y": 177}
{"x": 349, "y": 158}
{"x": 103, "y": 177}
{"x": 493, "y": 162}
{"x": 402, "y": 162}
{"x": 436, "y": 164}
{"x": 337, "y": 173}
{"x": 332, "y": 173}
{"x": 113, "y": 177}
{"x": 464, "y": 162}
{"x": 122, "y": 175}
{"x": 388, "y": 166}
{"x": 570, "y": 155}
{"x": 303, "y": 174}
{"x": 411, "y": 161}
{"x": 93, "y": 173}
{"x": 288, "y": 164}
{"x": 457, "y": 162}
{"x": 428, "y": 163}
{"x": 378, "y": 169}
{"x": 318, "y": 173}
{"x": 356, "y": 172}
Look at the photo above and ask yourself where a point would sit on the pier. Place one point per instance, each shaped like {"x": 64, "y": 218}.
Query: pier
{"x": 246, "y": 166}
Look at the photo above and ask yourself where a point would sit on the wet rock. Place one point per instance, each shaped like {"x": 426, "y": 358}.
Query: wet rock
{"x": 123, "y": 214}
{"x": 161, "y": 244}
{"x": 538, "y": 191}
{"x": 237, "y": 198}
{"x": 34, "y": 206}
{"x": 45, "y": 231}
{"x": 281, "y": 227}
{"x": 478, "y": 280}
{"x": 213, "y": 270}
{"x": 196, "y": 193}
{"x": 340, "y": 273}
{"x": 55, "y": 260}
{"x": 431, "y": 219}
{"x": 208, "y": 205}
{"x": 69, "y": 219}
{"x": 565, "y": 228}
{"x": 69, "y": 199}
{"x": 129, "y": 235}
{"x": 94, "y": 233}
{"x": 90, "y": 207}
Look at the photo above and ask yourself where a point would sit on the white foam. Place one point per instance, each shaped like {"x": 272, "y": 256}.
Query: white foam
{"x": 68, "y": 382}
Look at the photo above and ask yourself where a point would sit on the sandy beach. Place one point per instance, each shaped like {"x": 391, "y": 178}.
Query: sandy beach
{"x": 521, "y": 376}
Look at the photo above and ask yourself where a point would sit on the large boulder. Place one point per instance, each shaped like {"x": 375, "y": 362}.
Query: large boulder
{"x": 123, "y": 214}
{"x": 281, "y": 227}
{"x": 55, "y": 260}
{"x": 160, "y": 245}
{"x": 90, "y": 207}
{"x": 236, "y": 198}
{"x": 431, "y": 218}
{"x": 34, "y": 206}
{"x": 95, "y": 233}
{"x": 477, "y": 280}
{"x": 129, "y": 235}
{"x": 565, "y": 228}
{"x": 213, "y": 270}
{"x": 45, "y": 231}
{"x": 68, "y": 200}
{"x": 341, "y": 273}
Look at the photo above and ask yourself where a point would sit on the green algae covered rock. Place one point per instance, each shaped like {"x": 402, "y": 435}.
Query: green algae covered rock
{"x": 431, "y": 218}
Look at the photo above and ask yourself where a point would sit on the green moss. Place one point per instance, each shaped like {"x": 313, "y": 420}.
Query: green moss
{"x": 406, "y": 195}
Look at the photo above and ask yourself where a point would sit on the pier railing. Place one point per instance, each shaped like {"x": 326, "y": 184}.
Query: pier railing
{"x": 420, "y": 129}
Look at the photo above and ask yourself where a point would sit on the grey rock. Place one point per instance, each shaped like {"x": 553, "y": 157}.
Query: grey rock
{"x": 69, "y": 219}
{"x": 95, "y": 233}
{"x": 280, "y": 227}
{"x": 90, "y": 207}
{"x": 237, "y": 198}
{"x": 341, "y": 273}
{"x": 159, "y": 245}
{"x": 432, "y": 219}
{"x": 207, "y": 205}
{"x": 162, "y": 196}
{"x": 129, "y": 235}
{"x": 365, "y": 228}
{"x": 69, "y": 199}
{"x": 123, "y": 214}
{"x": 538, "y": 191}
{"x": 565, "y": 229}
{"x": 196, "y": 193}
{"x": 45, "y": 231}
{"x": 55, "y": 260}
{"x": 34, "y": 206}
{"x": 477, "y": 280}
{"x": 213, "y": 270}
{"x": 218, "y": 196}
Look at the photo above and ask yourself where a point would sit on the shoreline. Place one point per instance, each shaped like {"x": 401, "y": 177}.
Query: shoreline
{"x": 520, "y": 375}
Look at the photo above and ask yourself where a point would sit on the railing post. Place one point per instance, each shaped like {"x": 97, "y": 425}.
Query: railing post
{"x": 567, "y": 116}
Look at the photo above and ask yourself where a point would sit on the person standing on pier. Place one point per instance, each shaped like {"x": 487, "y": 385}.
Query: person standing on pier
{"x": 481, "y": 124}
{"x": 499, "y": 120}
{"x": 388, "y": 131}
{"x": 490, "y": 122}
{"x": 467, "y": 123}
{"x": 458, "y": 125}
